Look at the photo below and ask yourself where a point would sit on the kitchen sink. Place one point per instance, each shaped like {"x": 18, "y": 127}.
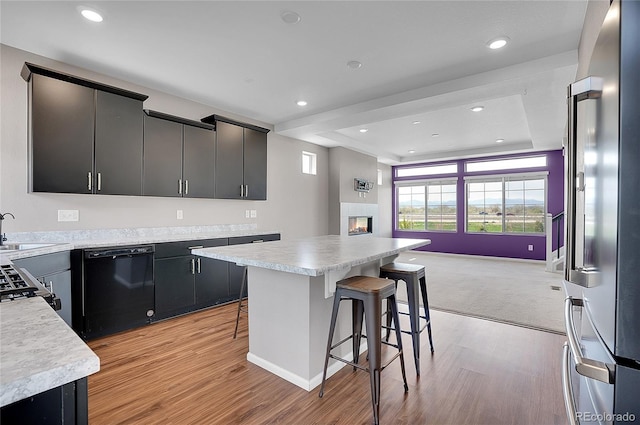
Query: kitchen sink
{"x": 23, "y": 246}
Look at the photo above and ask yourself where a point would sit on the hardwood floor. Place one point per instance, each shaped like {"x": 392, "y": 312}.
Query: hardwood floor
{"x": 189, "y": 370}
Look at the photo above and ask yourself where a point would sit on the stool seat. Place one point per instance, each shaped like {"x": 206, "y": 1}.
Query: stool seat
{"x": 366, "y": 294}
{"x": 415, "y": 278}
{"x": 402, "y": 268}
{"x": 365, "y": 284}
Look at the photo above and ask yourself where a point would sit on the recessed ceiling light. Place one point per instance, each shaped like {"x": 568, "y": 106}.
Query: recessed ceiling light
{"x": 411, "y": 151}
{"x": 301, "y": 103}
{"x": 91, "y": 14}
{"x": 364, "y": 130}
{"x": 498, "y": 43}
{"x": 354, "y": 64}
{"x": 499, "y": 140}
{"x": 415, "y": 122}
{"x": 477, "y": 108}
{"x": 290, "y": 17}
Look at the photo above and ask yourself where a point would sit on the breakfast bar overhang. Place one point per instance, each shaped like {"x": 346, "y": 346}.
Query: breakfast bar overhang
{"x": 291, "y": 285}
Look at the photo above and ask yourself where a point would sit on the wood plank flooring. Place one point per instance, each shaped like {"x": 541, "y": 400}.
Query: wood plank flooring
{"x": 189, "y": 370}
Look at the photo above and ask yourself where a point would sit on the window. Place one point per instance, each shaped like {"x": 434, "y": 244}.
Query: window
{"x": 426, "y": 206}
{"x": 427, "y": 170}
{"x": 507, "y": 164}
{"x": 508, "y": 204}
{"x": 308, "y": 163}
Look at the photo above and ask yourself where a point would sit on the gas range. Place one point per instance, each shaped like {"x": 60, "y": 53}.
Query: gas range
{"x": 17, "y": 284}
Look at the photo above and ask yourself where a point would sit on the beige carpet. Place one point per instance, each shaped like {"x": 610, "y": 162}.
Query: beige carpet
{"x": 511, "y": 291}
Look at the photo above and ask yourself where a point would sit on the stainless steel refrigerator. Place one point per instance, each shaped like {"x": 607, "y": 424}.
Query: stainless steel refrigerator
{"x": 601, "y": 376}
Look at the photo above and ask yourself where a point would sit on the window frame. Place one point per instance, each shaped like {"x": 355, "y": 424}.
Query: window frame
{"x": 503, "y": 178}
{"x": 425, "y": 183}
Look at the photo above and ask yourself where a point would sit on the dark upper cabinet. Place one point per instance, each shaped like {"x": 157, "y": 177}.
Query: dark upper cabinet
{"x": 162, "y": 157}
{"x": 199, "y": 162}
{"x": 179, "y": 157}
{"x": 118, "y": 145}
{"x": 62, "y": 123}
{"x": 241, "y": 159}
{"x": 86, "y": 137}
{"x": 229, "y": 161}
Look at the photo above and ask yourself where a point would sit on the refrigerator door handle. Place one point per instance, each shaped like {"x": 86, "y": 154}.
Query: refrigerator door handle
{"x": 589, "y": 368}
{"x": 567, "y": 388}
{"x": 588, "y": 88}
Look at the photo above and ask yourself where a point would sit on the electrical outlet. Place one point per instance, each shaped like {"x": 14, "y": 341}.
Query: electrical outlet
{"x": 179, "y": 215}
{"x": 254, "y": 213}
{"x": 530, "y": 247}
{"x": 68, "y": 215}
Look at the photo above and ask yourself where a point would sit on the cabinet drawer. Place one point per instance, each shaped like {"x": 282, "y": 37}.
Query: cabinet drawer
{"x": 254, "y": 238}
{"x": 177, "y": 249}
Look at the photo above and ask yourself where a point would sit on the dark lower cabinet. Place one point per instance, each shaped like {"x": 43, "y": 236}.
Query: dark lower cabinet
{"x": 64, "y": 405}
{"x": 184, "y": 282}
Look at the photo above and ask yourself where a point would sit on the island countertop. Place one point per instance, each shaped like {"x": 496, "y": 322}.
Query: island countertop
{"x": 38, "y": 351}
{"x": 313, "y": 256}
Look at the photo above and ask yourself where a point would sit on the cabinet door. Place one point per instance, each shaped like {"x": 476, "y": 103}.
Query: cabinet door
{"x": 118, "y": 145}
{"x": 199, "y": 162}
{"x": 174, "y": 285}
{"x": 62, "y": 117}
{"x": 255, "y": 164}
{"x": 162, "y": 157}
{"x": 60, "y": 285}
{"x": 212, "y": 282}
{"x": 229, "y": 161}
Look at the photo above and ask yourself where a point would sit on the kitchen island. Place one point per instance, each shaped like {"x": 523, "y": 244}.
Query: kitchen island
{"x": 291, "y": 286}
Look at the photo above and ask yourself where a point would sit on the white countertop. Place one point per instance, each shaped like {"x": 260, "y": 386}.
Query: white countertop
{"x": 38, "y": 351}
{"x": 81, "y": 239}
{"x": 313, "y": 256}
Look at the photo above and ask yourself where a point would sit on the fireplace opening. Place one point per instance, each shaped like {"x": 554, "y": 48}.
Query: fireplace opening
{"x": 360, "y": 225}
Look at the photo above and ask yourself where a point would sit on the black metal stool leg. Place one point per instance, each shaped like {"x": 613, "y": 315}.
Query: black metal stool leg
{"x": 396, "y": 319}
{"x": 373, "y": 323}
{"x": 425, "y": 303}
{"x": 332, "y": 327}
{"x": 357, "y": 311}
{"x": 414, "y": 318}
{"x": 242, "y": 288}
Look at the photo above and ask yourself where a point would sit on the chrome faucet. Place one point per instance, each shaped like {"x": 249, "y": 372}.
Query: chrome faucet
{"x": 2, "y": 235}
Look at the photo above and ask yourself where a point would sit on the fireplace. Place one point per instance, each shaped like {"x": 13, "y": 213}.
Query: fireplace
{"x": 360, "y": 225}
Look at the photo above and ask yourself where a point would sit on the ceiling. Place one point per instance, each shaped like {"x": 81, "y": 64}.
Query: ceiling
{"x": 424, "y": 65}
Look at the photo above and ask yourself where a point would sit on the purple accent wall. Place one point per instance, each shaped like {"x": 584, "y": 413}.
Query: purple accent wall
{"x": 494, "y": 245}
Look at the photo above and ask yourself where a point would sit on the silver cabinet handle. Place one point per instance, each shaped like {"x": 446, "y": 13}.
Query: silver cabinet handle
{"x": 242, "y": 191}
{"x": 588, "y": 88}
{"x": 99, "y": 181}
{"x": 198, "y": 265}
{"x": 186, "y": 187}
{"x": 193, "y": 266}
{"x": 246, "y": 190}
{"x": 89, "y": 185}
{"x": 590, "y": 368}
{"x": 179, "y": 186}
{"x": 196, "y": 247}
{"x": 567, "y": 388}
{"x": 258, "y": 241}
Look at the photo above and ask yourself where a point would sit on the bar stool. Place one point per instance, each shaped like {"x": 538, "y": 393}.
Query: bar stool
{"x": 414, "y": 276}
{"x": 366, "y": 294}
{"x": 241, "y": 306}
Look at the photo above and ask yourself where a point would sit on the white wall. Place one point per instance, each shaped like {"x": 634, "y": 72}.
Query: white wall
{"x": 385, "y": 191}
{"x": 296, "y": 204}
{"x": 594, "y": 17}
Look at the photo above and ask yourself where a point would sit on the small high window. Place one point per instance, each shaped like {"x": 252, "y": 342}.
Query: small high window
{"x": 309, "y": 162}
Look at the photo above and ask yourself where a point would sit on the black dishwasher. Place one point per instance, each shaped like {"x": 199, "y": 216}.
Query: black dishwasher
{"x": 117, "y": 289}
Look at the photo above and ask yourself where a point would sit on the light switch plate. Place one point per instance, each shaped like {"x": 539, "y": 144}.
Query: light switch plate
{"x": 68, "y": 215}
{"x": 254, "y": 213}
{"x": 247, "y": 214}
{"x": 179, "y": 214}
